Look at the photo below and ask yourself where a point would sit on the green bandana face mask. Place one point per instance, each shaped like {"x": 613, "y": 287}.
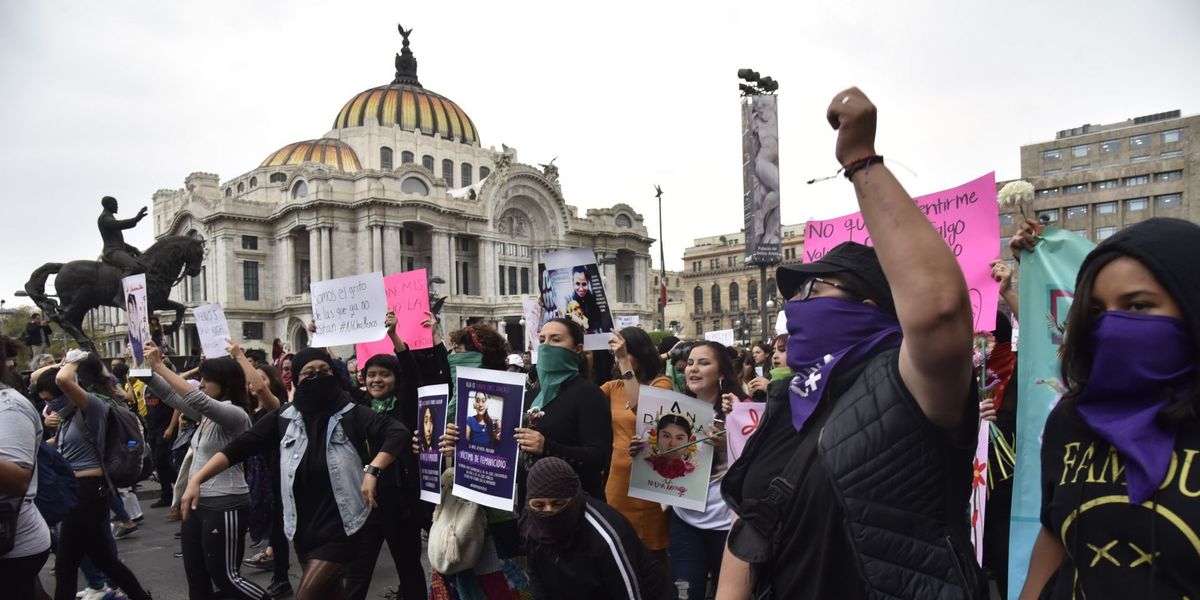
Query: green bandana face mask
{"x": 383, "y": 405}
{"x": 677, "y": 378}
{"x": 780, "y": 373}
{"x": 556, "y": 365}
{"x": 456, "y": 360}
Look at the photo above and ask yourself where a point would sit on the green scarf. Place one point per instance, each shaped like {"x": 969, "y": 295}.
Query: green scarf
{"x": 456, "y": 360}
{"x": 383, "y": 405}
{"x": 677, "y": 378}
{"x": 780, "y": 373}
{"x": 555, "y": 366}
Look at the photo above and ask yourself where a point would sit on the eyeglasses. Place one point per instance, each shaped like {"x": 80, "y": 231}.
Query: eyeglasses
{"x": 806, "y": 290}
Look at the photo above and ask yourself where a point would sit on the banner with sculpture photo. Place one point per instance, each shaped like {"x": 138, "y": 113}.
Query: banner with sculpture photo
{"x": 675, "y": 463}
{"x": 488, "y": 410}
{"x": 1047, "y": 289}
{"x": 571, "y": 287}
{"x": 966, "y": 216}
{"x": 407, "y": 295}
{"x": 138, "y": 319}
{"x": 349, "y": 310}
{"x": 760, "y": 179}
{"x": 431, "y": 423}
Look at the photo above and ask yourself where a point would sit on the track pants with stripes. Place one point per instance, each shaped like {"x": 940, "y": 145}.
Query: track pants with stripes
{"x": 212, "y": 554}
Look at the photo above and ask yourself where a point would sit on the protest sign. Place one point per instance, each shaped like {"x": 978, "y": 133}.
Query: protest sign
{"x": 488, "y": 410}
{"x": 979, "y": 489}
{"x": 671, "y": 469}
{"x": 628, "y": 321}
{"x": 781, "y": 323}
{"x": 966, "y": 216}
{"x": 134, "y": 291}
{"x": 1047, "y": 290}
{"x": 723, "y": 336}
{"x": 212, "y": 329}
{"x": 531, "y": 311}
{"x": 348, "y": 310}
{"x": 741, "y": 423}
{"x": 571, "y": 288}
{"x": 407, "y": 295}
{"x": 431, "y": 423}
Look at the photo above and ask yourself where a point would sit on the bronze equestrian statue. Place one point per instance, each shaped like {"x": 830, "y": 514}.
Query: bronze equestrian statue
{"x": 87, "y": 284}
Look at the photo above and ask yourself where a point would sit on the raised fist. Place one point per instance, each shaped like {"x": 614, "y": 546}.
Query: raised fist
{"x": 852, "y": 114}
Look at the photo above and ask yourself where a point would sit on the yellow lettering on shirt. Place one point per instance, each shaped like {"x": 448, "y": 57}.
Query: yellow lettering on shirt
{"x": 1070, "y": 451}
{"x": 1184, "y": 472}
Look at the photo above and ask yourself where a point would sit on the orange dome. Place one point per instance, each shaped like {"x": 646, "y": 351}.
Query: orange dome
{"x": 331, "y": 153}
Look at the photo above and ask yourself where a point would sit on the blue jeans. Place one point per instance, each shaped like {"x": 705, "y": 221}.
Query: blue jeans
{"x": 695, "y": 556}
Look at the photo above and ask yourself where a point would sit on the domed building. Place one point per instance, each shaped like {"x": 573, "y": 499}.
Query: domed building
{"x": 400, "y": 182}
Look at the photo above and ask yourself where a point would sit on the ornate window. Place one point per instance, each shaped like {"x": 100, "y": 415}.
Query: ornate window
{"x": 300, "y": 190}
{"x": 228, "y": 192}
{"x": 698, "y": 298}
{"x": 466, "y": 174}
{"x": 253, "y": 182}
{"x": 385, "y": 158}
{"x": 413, "y": 185}
{"x": 241, "y": 187}
{"x": 624, "y": 221}
{"x": 407, "y": 158}
{"x": 716, "y": 297}
{"x": 735, "y": 302}
{"x": 448, "y": 172}
{"x": 278, "y": 178}
{"x": 427, "y": 162}
{"x": 752, "y": 292}
{"x": 484, "y": 172}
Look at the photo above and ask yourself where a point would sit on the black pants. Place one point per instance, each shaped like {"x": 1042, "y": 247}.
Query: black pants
{"x": 212, "y": 554}
{"x": 280, "y": 546}
{"x": 160, "y": 452}
{"x": 403, "y": 538}
{"x": 20, "y": 575}
{"x": 84, "y": 534}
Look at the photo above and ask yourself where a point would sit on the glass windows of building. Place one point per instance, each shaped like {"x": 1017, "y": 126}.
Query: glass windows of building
{"x": 1077, "y": 212}
{"x": 1140, "y": 158}
{"x": 1080, "y": 188}
{"x": 1048, "y": 216}
{"x": 1107, "y": 184}
{"x": 1171, "y": 136}
{"x": 1006, "y": 220}
{"x": 1052, "y": 172}
{"x": 1080, "y": 151}
{"x": 1172, "y": 154}
{"x": 1110, "y": 146}
{"x": 1052, "y": 155}
{"x": 1047, "y": 193}
{"x": 1136, "y": 204}
{"x": 1106, "y": 208}
{"x": 1168, "y": 201}
{"x": 1168, "y": 176}
{"x": 1138, "y": 142}
{"x": 1137, "y": 180}
{"x": 1103, "y": 233}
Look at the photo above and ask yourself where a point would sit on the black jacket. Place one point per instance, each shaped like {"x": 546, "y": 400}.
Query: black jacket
{"x": 36, "y": 335}
{"x": 604, "y": 560}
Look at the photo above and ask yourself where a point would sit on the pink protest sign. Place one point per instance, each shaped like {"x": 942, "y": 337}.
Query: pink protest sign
{"x": 968, "y": 219}
{"x": 740, "y": 423}
{"x": 408, "y": 297}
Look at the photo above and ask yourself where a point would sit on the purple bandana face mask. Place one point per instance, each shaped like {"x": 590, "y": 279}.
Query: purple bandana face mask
{"x": 1139, "y": 361}
{"x": 824, "y": 332}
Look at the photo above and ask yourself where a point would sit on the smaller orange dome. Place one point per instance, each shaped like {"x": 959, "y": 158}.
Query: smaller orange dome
{"x": 331, "y": 153}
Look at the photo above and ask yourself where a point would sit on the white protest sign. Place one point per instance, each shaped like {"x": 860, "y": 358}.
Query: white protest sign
{"x": 349, "y": 310}
{"x": 628, "y": 321}
{"x": 212, "y": 329}
{"x": 780, "y": 323}
{"x": 722, "y": 336}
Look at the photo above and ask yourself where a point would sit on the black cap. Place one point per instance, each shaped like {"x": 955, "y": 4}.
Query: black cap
{"x": 848, "y": 257}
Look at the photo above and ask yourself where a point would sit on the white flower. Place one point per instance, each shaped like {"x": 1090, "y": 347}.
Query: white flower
{"x": 1015, "y": 195}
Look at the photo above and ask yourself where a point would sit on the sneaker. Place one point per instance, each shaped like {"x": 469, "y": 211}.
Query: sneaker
{"x": 260, "y": 561}
{"x": 139, "y": 518}
{"x": 121, "y": 532}
{"x": 160, "y": 503}
{"x": 174, "y": 515}
{"x": 280, "y": 589}
{"x": 88, "y": 593}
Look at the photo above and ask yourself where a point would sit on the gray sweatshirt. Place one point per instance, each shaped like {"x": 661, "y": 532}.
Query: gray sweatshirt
{"x": 220, "y": 422}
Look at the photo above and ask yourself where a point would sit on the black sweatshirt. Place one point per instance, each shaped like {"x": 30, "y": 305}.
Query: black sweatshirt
{"x": 578, "y": 429}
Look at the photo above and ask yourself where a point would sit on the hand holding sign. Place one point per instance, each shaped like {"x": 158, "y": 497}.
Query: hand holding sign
{"x": 212, "y": 328}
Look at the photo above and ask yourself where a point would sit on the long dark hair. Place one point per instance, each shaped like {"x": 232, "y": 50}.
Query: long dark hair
{"x": 9, "y": 348}
{"x": 730, "y": 382}
{"x": 1077, "y": 349}
{"x": 225, "y": 372}
{"x": 577, "y": 336}
{"x": 641, "y": 348}
{"x": 274, "y": 382}
{"x": 95, "y": 379}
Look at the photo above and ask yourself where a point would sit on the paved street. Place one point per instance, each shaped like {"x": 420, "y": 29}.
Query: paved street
{"x": 150, "y": 553}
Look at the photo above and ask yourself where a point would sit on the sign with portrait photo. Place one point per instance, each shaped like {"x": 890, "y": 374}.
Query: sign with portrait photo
{"x": 674, "y": 465}
{"x": 138, "y": 319}
{"x": 571, "y": 288}
{"x": 431, "y": 423}
{"x": 489, "y": 408}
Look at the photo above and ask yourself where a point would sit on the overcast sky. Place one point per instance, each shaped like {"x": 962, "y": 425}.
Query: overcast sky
{"x": 124, "y": 98}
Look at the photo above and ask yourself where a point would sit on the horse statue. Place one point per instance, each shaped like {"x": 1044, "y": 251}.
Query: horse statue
{"x": 87, "y": 284}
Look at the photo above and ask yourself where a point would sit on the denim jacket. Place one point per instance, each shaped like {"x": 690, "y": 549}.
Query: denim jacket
{"x": 345, "y": 469}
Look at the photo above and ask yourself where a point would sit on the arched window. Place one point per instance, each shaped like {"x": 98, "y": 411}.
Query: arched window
{"x": 427, "y": 162}
{"x": 484, "y": 172}
{"x": 278, "y": 178}
{"x": 241, "y": 187}
{"x": 406, "y": 158}
{"x": 735, "y": 302}
{"x": 716, "y": 297}
{"x": 752, "y": 292}
{"x": 412, "y": 185}
{"x": 770, "y": 291}
{"x": 466, "y": 174}
{"x": 253, "y": 182}
{"x": 448, "y": 172}
{"x": 698, "y": 297}
{"x": 228, "y": 192}
{"x": 624, "y": 221}
{"x": 300, "y": 190}
{"x": 385, "y": 158}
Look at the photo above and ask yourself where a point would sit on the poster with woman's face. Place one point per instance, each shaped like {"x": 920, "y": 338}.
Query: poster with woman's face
{"x": 488, "y": 410}
{"x": 431, "y": 423}
{"x": 572, "y": 289}
{"x": 134, "y": 292}
{"x": 674, "y": 465}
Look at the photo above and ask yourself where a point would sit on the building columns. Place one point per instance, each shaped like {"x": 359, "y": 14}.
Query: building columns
{"x": 327, "y": 252}
{"x": 440, "y": 259}
{"x": 376, "y": 248}
{"x": 287, "y": 266}
{"x": 314, "y": 255}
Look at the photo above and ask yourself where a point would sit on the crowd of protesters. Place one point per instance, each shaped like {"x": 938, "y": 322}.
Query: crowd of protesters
{"x": 855, "y": 484}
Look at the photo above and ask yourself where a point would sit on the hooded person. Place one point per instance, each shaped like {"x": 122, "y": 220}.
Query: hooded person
{"x": 1118, "y": 491}
{"x": 579, "y": 547}
{"x": 856, "y": 481}
{"x": 331, "y": 452}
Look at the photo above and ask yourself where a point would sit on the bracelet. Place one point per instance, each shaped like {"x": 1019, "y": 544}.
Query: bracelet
{"x": 861, "y": 164}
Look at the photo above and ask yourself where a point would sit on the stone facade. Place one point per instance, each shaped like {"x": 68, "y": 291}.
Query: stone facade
{"x": 720, "y": 290}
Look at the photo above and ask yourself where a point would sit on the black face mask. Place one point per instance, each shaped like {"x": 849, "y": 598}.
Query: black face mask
{"x": 552, "y": 528}
{"x": 317, "y": 393}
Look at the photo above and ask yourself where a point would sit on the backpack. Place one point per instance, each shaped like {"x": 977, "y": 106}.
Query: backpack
{"x": 456, "y": 536}
{"x": 121, "y": 458}
{"x": 56, "y": 485}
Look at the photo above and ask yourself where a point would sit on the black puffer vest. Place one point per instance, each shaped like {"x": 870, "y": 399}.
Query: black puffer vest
{"x": 904, "y": 487}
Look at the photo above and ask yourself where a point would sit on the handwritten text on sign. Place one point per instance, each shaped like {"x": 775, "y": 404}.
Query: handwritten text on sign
{"x": 212, "y": 329}
{"x": 966, "y": 217}
{"x": 407, "y": 296}
{"x": 348, "y": 310}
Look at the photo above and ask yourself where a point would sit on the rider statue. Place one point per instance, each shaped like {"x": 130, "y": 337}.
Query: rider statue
{"x": 116, "y": 252}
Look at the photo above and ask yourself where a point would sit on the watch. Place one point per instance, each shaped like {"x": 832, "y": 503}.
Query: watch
{"x": 372, "y": 470}
{"x": 627, "y": 374}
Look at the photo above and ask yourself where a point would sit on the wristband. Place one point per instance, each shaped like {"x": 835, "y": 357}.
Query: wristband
{"x": 372, "y": 470}
{"x": 861, "y": 164}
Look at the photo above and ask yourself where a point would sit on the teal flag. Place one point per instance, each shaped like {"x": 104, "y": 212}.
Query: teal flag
{"x": 1047, "y": 288}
